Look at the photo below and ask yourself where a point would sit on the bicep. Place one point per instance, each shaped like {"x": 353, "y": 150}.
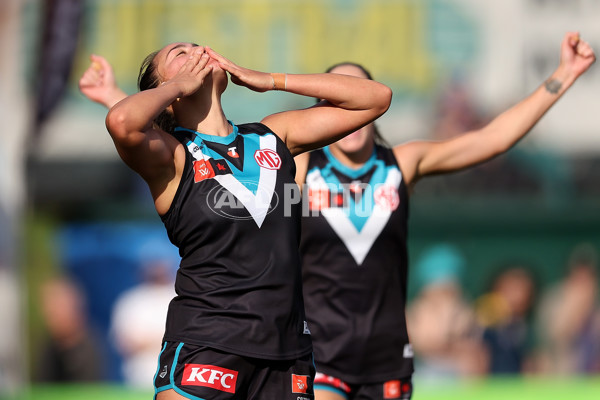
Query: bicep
{"x": 317, "y": 126}
{"x": 147, "y": 153}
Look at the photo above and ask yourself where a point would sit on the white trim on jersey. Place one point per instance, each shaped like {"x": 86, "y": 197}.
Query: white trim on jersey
{"x": 357, "y": 243}
{"x": 257, "y": 205}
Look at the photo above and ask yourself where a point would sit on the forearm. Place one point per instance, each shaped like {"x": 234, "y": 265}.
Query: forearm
{"x": 115, "y": 96}
{"x": 340, "y": 90}
{"x": 495, "y": 138}
{"x": 510, "y": 126}
{"x": 136, "y": 112}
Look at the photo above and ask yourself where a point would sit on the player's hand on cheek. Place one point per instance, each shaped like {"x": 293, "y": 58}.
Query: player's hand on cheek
{"x": 191, "y": 75}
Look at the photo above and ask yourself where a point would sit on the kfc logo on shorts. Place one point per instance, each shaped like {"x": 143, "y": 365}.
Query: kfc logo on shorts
{"x": 300, "y": 383}
{"x": 387, "y": 197}
{"x": 267, "y": 158}
{"x": 209, "y": 376}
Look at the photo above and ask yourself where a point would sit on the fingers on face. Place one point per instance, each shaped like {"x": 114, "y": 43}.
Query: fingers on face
{"x": 195, "y": 58}
{"x": 200, "y": 67}
{"x": 196, "y": 64}
{"x": 214, "y": 54}
{"x": 223, "y": 62}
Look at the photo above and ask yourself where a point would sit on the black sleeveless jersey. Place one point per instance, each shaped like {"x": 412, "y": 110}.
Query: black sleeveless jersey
{"x": 355, "y": 267}
{"x": 239, "y": 284}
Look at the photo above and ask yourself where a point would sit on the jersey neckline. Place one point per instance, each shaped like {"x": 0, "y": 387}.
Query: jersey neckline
{"x": 348, "y": 171}
{"x": 213, "y": 138}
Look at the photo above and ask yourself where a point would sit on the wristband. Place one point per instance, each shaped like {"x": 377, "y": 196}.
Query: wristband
{"x": 279, "y": 81}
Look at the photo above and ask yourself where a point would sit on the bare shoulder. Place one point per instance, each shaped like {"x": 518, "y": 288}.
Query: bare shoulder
{"x": 277, "y": 124}
{"x": 408, "y": 155}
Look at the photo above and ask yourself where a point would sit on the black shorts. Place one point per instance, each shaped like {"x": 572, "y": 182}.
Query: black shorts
{"x": 199, "y": 372}
{"x": 393, "y": 389}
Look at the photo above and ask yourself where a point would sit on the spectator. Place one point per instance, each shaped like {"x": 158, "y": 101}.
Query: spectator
{"x": 138, "y": 321}
{"x": 569, "y": 318}
{"x": 441, "y": 324}
{"x": 71, "y": 352}
{"x": 503, "y": 313}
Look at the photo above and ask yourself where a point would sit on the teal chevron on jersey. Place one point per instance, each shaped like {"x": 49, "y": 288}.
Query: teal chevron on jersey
{"x": 249, "y": 173}
{"x": 357, "y": 222}
{"x": 252, "y": 184}
{"x": 354, "y": 267}
{"x": 359, "y": 208}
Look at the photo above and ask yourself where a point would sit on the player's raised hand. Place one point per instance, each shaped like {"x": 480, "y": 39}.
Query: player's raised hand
{"x": 98, "y": 83}
{"x": 576, "y": 54}
{"x": 253, "y": 80}
{"x": 191, "y": 75}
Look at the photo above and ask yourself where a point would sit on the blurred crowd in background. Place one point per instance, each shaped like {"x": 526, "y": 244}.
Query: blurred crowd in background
{"x": 514, "y": 327}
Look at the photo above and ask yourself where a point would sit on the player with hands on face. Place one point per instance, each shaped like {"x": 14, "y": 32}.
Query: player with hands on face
{"x": 237, "y": 328}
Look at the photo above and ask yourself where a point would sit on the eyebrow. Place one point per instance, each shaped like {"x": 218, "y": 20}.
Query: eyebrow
{"x": 175, "y": 47}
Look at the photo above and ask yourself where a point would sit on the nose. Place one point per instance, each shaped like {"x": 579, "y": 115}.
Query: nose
{"x": 201, "y": 48}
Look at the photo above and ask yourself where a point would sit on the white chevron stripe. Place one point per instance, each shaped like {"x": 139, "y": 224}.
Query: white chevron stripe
{"x": 357, "y": 243}
{"x": 257, "y": 205}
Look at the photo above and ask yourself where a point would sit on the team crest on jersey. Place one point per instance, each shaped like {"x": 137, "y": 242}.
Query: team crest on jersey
{"x": 206, "y": 169}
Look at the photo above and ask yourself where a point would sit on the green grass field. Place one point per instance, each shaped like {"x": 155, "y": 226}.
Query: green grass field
{"x": 488, "y": 389}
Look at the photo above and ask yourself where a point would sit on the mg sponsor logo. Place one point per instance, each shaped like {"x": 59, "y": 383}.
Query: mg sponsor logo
{"x": 209, "y": 376}
{"x": 267, "y": 158}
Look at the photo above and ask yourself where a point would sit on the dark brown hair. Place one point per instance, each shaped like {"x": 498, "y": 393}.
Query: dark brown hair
{"x": 148, "y": 79}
